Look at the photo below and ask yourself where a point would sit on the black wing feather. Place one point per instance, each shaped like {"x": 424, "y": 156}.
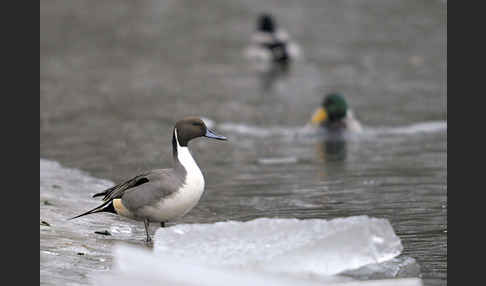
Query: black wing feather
{"x": 118, "y": 190}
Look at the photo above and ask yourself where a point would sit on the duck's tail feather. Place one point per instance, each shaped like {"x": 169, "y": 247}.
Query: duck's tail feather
{"x": 99, "y": 194}
{"x": 105, "y": 207}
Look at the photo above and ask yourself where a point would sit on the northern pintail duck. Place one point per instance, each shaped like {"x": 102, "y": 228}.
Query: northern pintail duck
{"x": 163, "y": 194}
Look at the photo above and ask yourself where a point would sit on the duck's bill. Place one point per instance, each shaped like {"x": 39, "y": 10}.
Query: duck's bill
{"x": 320, "y": 115}
{"x": 212, "y": 135}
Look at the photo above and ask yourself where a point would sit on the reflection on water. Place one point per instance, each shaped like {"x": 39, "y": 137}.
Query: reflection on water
{"x": 275, "y": 72}
{"x": 333, "y": 150}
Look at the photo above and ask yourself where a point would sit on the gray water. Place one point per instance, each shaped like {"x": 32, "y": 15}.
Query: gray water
{"x": 116, "y": 75}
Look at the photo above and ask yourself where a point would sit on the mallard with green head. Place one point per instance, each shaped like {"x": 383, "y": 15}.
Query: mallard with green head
{"x": 335, "y": 115}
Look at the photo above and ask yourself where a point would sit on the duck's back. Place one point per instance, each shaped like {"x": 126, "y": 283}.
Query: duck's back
{"x": 169, "y": 193}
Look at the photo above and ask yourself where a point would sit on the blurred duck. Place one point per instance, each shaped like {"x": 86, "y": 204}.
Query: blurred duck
{"x": 270, "y": 43}
{"x": 335, "y": 116}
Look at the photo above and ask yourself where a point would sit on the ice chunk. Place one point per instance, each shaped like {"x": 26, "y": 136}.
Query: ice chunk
{"x": 402, "y": 266}
{"x": 134, "y": 266}
{"x": 58, "y": 182}
{"x": 293, "y": 246}
{"x": 265, "y": 251}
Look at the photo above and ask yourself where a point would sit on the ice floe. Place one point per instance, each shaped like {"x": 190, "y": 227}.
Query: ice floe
{"x": 267, "y": 251}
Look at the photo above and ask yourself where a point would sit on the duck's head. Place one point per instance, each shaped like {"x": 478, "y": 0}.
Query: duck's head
{"x": 266, "y": 23}
{"x": 333, "y": 108}
{"x": 193, "y": 127}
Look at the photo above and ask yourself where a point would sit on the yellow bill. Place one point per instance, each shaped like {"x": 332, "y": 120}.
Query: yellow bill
{"x": 320, "y": 115}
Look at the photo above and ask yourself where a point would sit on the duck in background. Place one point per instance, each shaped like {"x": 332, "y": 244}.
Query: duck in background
{"x": 270, "y": 43}
{"x": 334, "y": 115}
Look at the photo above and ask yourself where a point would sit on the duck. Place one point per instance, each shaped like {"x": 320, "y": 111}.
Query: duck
{"x": 270, "y": 43}
{"x": 334, "y": 115}
{"x": 161, "y": 195}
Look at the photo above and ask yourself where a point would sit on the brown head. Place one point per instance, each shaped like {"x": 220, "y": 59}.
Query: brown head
{"x": 193, "y": 127}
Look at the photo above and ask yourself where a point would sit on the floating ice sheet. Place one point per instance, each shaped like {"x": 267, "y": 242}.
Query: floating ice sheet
{"x": 266, "y": 251}
{"x": 136, "y": 266}
{"x": 69, "y": 184}
{"x": 402, "y": 266}
{"x": 300, "y": 247}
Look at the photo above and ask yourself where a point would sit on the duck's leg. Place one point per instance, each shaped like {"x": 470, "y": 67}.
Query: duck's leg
{"x": 162, "y": 224}
{"x": 147, "y": 224}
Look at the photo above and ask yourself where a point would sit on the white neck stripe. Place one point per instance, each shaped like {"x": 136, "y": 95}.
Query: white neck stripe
{"x": 185, "y": 158}
{"x": 177, "y": 139}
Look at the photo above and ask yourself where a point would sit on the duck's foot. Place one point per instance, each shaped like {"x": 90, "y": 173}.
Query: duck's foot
{"x": 147, "y": 224}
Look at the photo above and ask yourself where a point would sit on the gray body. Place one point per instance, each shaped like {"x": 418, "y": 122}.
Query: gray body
{"x": 147, "y": 190}
{"x": 162, "y": 184}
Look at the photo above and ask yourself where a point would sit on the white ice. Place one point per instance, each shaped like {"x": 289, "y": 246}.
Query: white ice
{"x": 71, "y": 184}
{"x": 312, "y": 246}
{"x": 265, "y": 251}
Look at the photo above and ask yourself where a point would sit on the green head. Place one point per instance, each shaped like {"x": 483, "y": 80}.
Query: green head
{"x": 336, "y": 106}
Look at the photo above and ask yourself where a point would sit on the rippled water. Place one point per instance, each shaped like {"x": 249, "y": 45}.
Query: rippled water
{"x": 116, "y": 75}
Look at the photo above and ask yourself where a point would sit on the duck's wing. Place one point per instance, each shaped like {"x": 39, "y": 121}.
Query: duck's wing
{"x": 352, "y": 123}
{"x": 118, "y": 190}
{"x": 161, "y": 184}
